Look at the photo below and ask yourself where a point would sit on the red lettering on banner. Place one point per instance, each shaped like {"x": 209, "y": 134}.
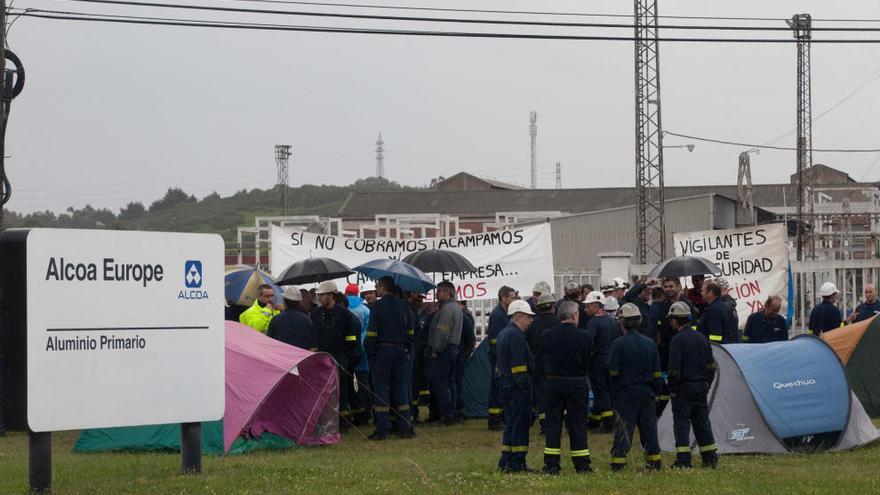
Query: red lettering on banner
{"x": 748, "y": 289}
{"x": 755, "y": 306}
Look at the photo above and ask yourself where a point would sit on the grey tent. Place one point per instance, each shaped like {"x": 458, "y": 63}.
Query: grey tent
{"x": 779, "y": 398}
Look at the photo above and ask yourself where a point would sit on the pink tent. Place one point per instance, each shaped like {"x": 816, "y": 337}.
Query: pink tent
{"x": 279, "y": 388}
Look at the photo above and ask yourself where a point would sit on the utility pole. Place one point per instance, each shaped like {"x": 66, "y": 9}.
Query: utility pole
{"x": 380, "y": 158}
{"x": 282, "y": 155}
{"x": 649, "y": 135}
{"x": 801, "y": 24}
{"x": 745, "y": 207}
{"x": 558, "y": 175}
{"x": 533, "y": 134}
{"x": 4, "y": 192}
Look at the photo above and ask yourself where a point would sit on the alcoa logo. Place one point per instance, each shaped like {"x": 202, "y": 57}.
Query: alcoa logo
{"x": 796, "y": 383}
{"x": 192, "y": 279}
{"x": 192, "y": 270}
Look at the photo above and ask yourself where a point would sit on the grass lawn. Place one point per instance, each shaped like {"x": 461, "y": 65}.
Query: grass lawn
{"x": 459, "y": 459}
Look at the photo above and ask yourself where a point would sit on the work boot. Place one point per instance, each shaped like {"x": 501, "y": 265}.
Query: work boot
{"x": 617, "y": 467}
{"x": 710, "y": 459}
{"x": 583, "y": 466}
{"x": 378, "y": 437}
{"x": 653, "y": 465}
{"x": 551, "y": 469}
{"x": 496, "y": 424}
{"x": 682, "y": 460}
{"x": 607, "y": 424}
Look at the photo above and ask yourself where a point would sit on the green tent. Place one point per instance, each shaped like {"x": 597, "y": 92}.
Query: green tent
{"x": 167, "y": 437}
{"x": 475, "y": 386}
{"x": 858, "y": 348}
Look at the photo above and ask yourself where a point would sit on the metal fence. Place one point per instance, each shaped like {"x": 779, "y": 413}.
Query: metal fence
{"x": 850, "y": 276}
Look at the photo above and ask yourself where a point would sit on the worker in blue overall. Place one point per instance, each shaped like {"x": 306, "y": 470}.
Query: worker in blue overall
{"x": 564, "y": 363}
{"x": 497, "y": 321}
{"x": 634, "y": 367}
{"x": 691, "y": 371}
{"x": 717, "y": 321}
{"x": 868, "y": 309}
{"x": 602, "y": 330}
{"x": 825, "y": 315}
{"x": 514, "y": 369}
{"x": 389, "y": 340}
{"x": 544, "y": 319}
{"x": 338, "y": 333}
{"x": 663, "y": 333}
{"x": 766, "y": 325}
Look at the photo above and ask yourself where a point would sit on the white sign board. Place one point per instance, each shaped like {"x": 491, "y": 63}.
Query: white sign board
{"x": 518, "y": 258}
{"x": 754, "y": 260}
{"x": 123, "y": 328}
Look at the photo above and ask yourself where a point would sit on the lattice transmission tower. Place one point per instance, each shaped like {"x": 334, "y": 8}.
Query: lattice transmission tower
{"x": 649, "y": 135}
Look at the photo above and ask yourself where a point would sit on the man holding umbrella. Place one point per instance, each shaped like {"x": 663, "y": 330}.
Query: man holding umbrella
{"x": 338, "y": 334}
{"x": 389, "y": 337}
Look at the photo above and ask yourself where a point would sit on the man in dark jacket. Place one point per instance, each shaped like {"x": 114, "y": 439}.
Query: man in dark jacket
{"x": 716, "y": 322}
{"x": 545, "y": 319}
{"x": 868, "y": 309}
{"x": 825, "y": 315}
{"x": 389, "y": 340}
{"x": 602, "y": 330}
{"x": 466, "y": 347}
{"x": 564, "y": 362}
{"x": 292, "y": 326}
{"x": 664, "y": 332}
{"x": 634, "y": 367}
{"x": 497, "y": 321}
{"x": 691, "y": 371}
{"x": 514, "y": 371}
{"x": 767, "y": 325}
{"x": 728, "y": 300}
{"x": 338, "y": 334}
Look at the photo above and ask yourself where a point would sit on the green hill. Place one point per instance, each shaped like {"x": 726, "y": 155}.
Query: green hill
{"x": 179, "y": 212}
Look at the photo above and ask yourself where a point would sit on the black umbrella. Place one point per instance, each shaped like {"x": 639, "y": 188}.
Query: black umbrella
{"x": 439, "y": 260}
{"x": 313, "y": 270}
{"x": 684, "y": 266}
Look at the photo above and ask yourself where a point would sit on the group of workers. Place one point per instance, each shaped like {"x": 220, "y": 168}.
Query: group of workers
{"x": 394, "y": 351}
{"x": 634, "y": 347}
{"x": 548, "y": 355}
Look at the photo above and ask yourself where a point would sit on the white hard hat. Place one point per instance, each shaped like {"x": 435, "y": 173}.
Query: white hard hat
{"x": 519, "y": 306}
{"x": 629, "y": 310}
{"x": 595, "y": 297}
{"x": 618, "y": 283}
{"x": 827, "y": 289}
{"x": 327, "y": 287}
{"x": 611, "y": 304}
{"x": 292, "y": 293}
{"x": 368, "y": 287}
{"x": 679, "y": 309}
{"x": 542, "y": 287}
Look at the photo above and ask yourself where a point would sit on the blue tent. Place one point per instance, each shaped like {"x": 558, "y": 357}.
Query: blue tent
{"x": 781, "y": 397}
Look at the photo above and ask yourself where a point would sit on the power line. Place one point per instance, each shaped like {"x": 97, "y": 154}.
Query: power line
{"x": 153, "y": 21}
{"x": 336, "y": 15}
{"x": 535, "y": 13}
{"x": 780, "y": 148}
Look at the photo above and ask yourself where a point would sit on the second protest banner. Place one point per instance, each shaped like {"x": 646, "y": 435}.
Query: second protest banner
{"x": 754, "y": 260}
{"x": 518, "y": 257}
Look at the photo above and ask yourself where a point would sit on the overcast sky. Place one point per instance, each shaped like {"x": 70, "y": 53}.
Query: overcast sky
{"x": 116, "y": 113}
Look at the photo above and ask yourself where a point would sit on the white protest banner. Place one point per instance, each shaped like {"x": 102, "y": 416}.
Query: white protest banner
{"x": 754, "y": 260}
{"x": 518, "y": 257}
